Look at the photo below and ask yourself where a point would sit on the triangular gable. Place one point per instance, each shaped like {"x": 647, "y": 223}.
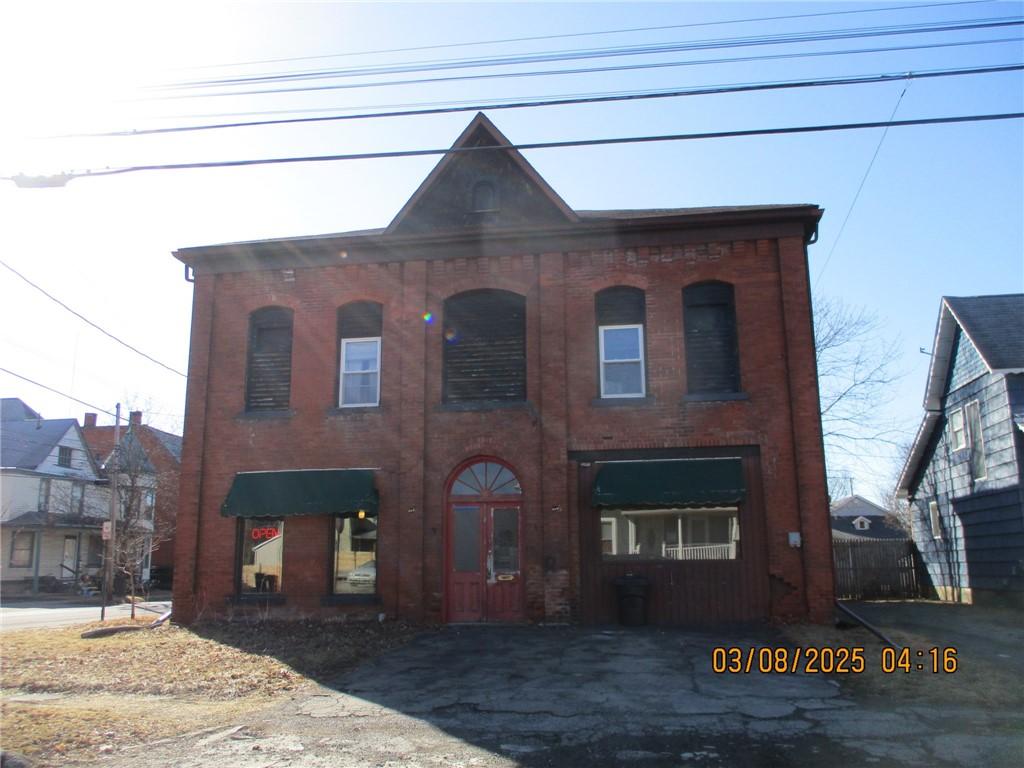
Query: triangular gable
{"x": 444, "y": 202}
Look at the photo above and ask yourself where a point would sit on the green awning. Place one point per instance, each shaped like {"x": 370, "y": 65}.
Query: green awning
{"x": 683, "y": 483}
{"x": 301, "y": 492}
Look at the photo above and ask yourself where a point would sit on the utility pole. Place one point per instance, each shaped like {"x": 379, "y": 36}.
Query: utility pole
{"x": 112, "y": 471}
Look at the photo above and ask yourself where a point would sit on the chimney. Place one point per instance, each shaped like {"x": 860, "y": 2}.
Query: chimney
{"x": 90, "y": 420}
{"x": 135, "y": 418}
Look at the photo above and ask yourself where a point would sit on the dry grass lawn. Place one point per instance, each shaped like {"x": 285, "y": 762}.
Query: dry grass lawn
{"x": 66, "y": 699}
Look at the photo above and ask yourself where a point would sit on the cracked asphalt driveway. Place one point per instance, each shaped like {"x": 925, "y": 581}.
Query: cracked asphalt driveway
{"x": 529, "y": 696}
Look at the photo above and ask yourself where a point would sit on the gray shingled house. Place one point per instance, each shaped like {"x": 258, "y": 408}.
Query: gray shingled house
{"x": 964, "y": 473}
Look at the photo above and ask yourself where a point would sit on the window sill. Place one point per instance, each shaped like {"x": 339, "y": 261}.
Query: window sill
{"x": 264, "y": 415}
{"x": 258, "y": 598}
{"x": 354, "y": 410}
{"x": 350, "y": 600}
{"x": 624, "y": 402}
{"x": 486, "y": 405}
{"x": 710, "y": 397}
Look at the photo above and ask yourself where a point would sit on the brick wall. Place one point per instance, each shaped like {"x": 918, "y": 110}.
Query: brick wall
{"x": 416, "y": 442}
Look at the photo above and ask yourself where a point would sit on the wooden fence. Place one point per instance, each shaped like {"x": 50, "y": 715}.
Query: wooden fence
{"x": 877, "y": 569}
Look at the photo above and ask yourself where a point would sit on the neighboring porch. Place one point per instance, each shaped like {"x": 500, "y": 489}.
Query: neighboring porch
{"x": 51, "y": 553}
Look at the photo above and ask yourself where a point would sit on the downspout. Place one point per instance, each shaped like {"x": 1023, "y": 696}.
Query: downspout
{"x": 202, "y": 450}
{"x": 792, "y": 418}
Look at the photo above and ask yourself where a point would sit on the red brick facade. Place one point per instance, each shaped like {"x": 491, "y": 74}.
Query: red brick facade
{"x": 416, "y": 443}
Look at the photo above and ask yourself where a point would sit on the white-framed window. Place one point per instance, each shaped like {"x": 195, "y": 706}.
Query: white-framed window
{"x": 933, "y": 514}
{"x": 622, "y": 360}
{"x": 972, "y": 415}
{"x": 148, "y": 504}
{"x": 861, "y": 524}
{"x": 360, "y": 372}
{"x": 64, "y": 456}
{"x": 23, "y": 546}
{"x": 609, "y": 536}
{"x": 77, "y": 498}
{"x": 957, "y": 429}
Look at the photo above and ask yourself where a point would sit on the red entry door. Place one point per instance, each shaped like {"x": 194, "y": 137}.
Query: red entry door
{"x": 484, "y": 554}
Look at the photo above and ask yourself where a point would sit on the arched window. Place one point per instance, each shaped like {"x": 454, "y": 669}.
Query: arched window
{"x": 486, "y": 478}
{"x": 359, "y": 354}
{"x": 712, "y": 350}
{"x": 621, "y": 315}
{"x": 485, "y": 197}
{"x": 485, "y": 347}
{"x": 268, "y": 377}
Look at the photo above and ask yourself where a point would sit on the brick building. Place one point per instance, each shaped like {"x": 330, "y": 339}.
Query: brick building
{"x": 493, "y": 407}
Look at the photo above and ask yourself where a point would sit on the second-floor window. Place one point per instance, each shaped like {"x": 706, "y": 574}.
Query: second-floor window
{"x": 972, "y": 414}
{"x": 63, "y": 456}
{"x": 712, "y": 350}
{"x": 485, "y": 347}
{"x": 269, "y": 372}
{"x": 957, "y": 430}
{"x": 77, "y": 498}
{"x": 621, "y": 315}
{"x": 359, "y": 334}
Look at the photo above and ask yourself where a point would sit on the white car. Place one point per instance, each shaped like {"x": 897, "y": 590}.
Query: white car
{"x": 365, "y": 575}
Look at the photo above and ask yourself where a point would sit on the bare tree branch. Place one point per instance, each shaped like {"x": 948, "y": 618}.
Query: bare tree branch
{"x": 856, "y": 371}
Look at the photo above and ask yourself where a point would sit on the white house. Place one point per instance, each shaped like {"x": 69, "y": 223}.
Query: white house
{"x": 54, "y": 498}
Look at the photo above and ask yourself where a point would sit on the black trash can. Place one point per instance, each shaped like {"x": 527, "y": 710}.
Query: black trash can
{"x": 632, "y": 593}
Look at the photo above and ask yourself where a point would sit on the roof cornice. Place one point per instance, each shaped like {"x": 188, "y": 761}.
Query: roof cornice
{"x": 377, "y": 246}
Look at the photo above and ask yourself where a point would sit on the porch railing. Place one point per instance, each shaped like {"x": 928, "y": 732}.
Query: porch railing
{"x": 700, "y": 552}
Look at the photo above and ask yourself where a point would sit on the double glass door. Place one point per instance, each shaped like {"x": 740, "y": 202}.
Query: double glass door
{"x": 484, "y": 554}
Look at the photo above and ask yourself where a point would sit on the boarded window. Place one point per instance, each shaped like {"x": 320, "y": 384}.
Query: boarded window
{"x": 269, "y": 374}
{"x": 359, "y": 331}
{"x": 712, "y": 351}
{"x": 621, "y": 312}
{"x": 485, "y": 197}
{"x": 485, "y": 347}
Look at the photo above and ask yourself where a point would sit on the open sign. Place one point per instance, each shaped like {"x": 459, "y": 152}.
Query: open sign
{"x": 262, "y": 534}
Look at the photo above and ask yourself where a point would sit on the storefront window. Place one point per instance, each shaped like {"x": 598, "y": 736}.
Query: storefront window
{"x": 355, "y": 554}
{"x": 262, "y": 548}
{"x": 670, "y": 534}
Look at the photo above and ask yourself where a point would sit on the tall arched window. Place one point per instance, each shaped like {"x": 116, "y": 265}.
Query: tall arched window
{"x": 359, "y": 354}
{"x": 485, "y": 347}
{"x": 712, "y": 350}
{"x": 268, "y": 377}
{"x": 621, "y": 315}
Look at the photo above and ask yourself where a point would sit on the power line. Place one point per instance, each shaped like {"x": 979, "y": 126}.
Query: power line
{"x": 856, "y": 196}
{"x": 615, "y": 52}
{"x": 28, "y": 181}
{"x": 58, "y": 392}
{"x": 86, "y": 320}
{"x": 591, "y": 70}
{"x": 566, "y": 35}
{"x": 558, "y": 102}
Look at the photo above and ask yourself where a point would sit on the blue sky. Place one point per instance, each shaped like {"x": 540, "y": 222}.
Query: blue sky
{"x": 940, "y": 213}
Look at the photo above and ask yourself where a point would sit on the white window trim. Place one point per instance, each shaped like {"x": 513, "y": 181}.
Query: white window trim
{"x": 342, "y": 372}
{"x": 962, "y": 432}
{"x": 933, "y": 515}
{"x": 981, "y": 437}
{"x": 643, "y": 377}
{"x": 615, "y": 534}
